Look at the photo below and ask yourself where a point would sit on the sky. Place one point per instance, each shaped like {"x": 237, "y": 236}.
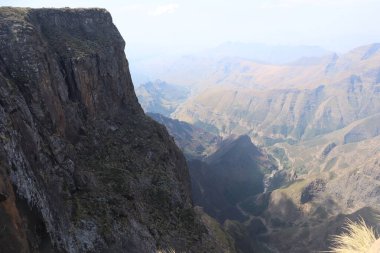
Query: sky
{"x": 146, "y": 25}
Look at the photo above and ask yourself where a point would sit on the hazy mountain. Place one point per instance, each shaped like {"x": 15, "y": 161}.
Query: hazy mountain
{"x": 200, "y": 71}
{"x": 294, "y": 102}
{"x": 272, "y": 54}
{"x": 191, "y": 68}
{"x": 161, "y": 97}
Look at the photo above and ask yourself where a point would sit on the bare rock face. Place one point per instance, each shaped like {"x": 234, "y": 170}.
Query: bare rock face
{"x": 82, "y": 169}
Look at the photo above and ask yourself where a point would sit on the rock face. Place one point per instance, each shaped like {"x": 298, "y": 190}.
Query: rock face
{"x": 82, "y": 169}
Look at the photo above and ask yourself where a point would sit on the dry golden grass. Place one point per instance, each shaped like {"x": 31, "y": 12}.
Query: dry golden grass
{"x": 357, "y": 238}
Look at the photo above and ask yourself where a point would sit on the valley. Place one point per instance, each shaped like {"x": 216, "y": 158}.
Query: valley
{"x": 307, "y": 131}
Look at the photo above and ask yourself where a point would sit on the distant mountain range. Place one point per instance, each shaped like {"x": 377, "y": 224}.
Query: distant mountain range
{"x": 168, "y": 64}
{"x": 264, "y": 53}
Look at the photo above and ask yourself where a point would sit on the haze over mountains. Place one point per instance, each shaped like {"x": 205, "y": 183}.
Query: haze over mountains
{"x": 163, "y": 64}
{"x": 315, "y": 119}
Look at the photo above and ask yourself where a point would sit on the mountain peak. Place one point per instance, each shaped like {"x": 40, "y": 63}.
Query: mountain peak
{"x": 234, "y": 148}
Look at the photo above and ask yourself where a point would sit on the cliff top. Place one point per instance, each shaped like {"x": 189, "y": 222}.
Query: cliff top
{"x": 21, "y": 13}
{"x": 73, "y": 32}
{"x": 6, "y": 10}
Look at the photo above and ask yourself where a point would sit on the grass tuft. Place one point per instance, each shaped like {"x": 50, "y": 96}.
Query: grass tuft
{"x": 357, "y": 238}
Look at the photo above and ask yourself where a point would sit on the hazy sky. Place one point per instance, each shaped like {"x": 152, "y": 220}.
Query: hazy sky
{"x": 333, "y": 24}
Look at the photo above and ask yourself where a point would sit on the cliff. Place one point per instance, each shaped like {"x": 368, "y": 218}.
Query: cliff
{"x": 82, "y": 169}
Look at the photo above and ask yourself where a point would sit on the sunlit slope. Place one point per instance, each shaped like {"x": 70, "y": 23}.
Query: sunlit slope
{"x": 349, "y": 147}
{"x": 286, "y": 114}
{"x": 296, "y": 101}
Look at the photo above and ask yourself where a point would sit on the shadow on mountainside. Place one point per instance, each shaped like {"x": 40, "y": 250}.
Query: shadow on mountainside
{"x": 227, "y": 177}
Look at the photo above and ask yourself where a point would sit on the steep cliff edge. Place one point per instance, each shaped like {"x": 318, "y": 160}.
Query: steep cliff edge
{"x": 82, "y": 169}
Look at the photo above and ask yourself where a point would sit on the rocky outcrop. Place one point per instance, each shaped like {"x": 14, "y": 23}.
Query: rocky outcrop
{"x": 312, "y": 190}
{"x": 326, "y": 151}
{"x": 82, "y": 169}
